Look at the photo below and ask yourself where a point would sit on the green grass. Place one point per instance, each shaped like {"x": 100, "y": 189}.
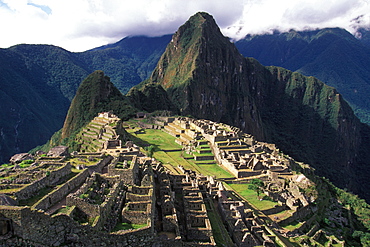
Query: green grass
{"x": 214, "y": 170}
{"x": 163, "y": 141}
{"x": 63, "y": 210}
{"x": 220, "y": 234}
{"x": 282, "y": 215}
{"x": 160, "y": 139}
{"x": 292, "y": 226}
{"x": 251, "y": 197}
{"x": 127, "y": 226}
{"x": 83, "y": 161}
{"x": 204, "y": 154}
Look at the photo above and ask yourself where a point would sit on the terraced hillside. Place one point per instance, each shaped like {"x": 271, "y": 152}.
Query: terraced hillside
{"x": 97, "y": 132}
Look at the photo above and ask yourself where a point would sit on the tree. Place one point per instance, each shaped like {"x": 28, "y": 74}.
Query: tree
{"x": 256, "y": 185}
{"x": 150, "y": 150}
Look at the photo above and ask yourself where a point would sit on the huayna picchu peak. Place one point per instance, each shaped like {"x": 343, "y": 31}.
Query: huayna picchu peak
{"x": 213, "y": 149}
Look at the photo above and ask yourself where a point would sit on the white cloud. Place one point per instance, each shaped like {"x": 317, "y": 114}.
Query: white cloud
{"x": 264, "y": 16}
{"x": 79, "y": 25}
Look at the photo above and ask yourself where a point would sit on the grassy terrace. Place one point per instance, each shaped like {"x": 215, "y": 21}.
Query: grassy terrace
{"x": 82, "y": 161}
{"x": 169, "y": 152}
{"x": 127, "y": 226}
{"x": 251, "y": 197}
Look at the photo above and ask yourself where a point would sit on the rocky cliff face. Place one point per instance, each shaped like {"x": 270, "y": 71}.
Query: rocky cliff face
{"x": 206, "y": 77}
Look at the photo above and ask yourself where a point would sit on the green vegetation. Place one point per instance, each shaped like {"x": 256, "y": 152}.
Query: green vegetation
{"x": 10, "y": 165}
{"x": 360, "y": 210}
{"x": 219, "y": 231}
{"x": 25, "y": 163}
{"x": 250, "y": 196}
{"x": 63, "y": 210}
{"x": 127, "y": 226}
{"x": 315, "y": 53}
{"x": 95, "y": 94}
{"x": 150, "y": 150}
{"x": 82, "y": 161}
{"x": 157, "y": 138}
{"x": 256, "y": 185}
{"x": 166, "y": 150}
{"x": 214, "y": 170}
{"x": 292, "y": 226}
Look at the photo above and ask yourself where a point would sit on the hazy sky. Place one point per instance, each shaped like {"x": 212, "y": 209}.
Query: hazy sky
{"x": 79, "y": 25}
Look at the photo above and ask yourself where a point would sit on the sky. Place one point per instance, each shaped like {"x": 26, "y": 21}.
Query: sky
{"x": 79, "y": 25}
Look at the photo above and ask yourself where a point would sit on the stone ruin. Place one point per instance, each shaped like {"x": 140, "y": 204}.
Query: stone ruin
{"x": 104, "y": 132}
{"x": 241, "y": 222}
{"x": 130, "y": 188}
{"x": 239, "y": 153}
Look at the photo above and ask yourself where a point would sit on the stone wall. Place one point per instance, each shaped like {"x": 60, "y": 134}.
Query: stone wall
{"x": 201, "y": 231}
{"x": 274, "y": 210}
{"x": 15, "y": 214}
{"x": 301, "y": 213}
{"x": 48, "y": 180}
{"x": 92, "y": 210}
{"x": 98, "y": 211}
{"x": 106, "y": 207}
{"x": 137, "y": 212}
{"x": 135, "y": 197}
{"x": 98, "y": 167}
{"x": 56, "y": 195}
{"x": 42, "y": 229}
{"x": 128, "y": 175}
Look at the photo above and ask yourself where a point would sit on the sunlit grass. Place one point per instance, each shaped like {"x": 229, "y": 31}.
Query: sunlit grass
{"x": 252, "y": 198}
{"x": 157, "y": 138}
{"x": 127, "y": 226}
{"x": 292, "y": 226}
{"x": 165, "y": 142}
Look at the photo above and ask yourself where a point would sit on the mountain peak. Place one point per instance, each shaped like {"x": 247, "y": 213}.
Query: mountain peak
{"x": 201, "y": 69}
{"x": 185, "y": 47}
{"x": 95, "y": 94}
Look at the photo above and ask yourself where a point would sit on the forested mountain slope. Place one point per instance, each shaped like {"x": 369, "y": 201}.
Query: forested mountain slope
{"x": 332, "y": 55}
{"x": 38, "y": 82}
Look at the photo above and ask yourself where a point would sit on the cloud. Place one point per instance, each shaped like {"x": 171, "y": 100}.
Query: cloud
{"x": 264, "y": 16}
{"x": 79, "y": 25}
